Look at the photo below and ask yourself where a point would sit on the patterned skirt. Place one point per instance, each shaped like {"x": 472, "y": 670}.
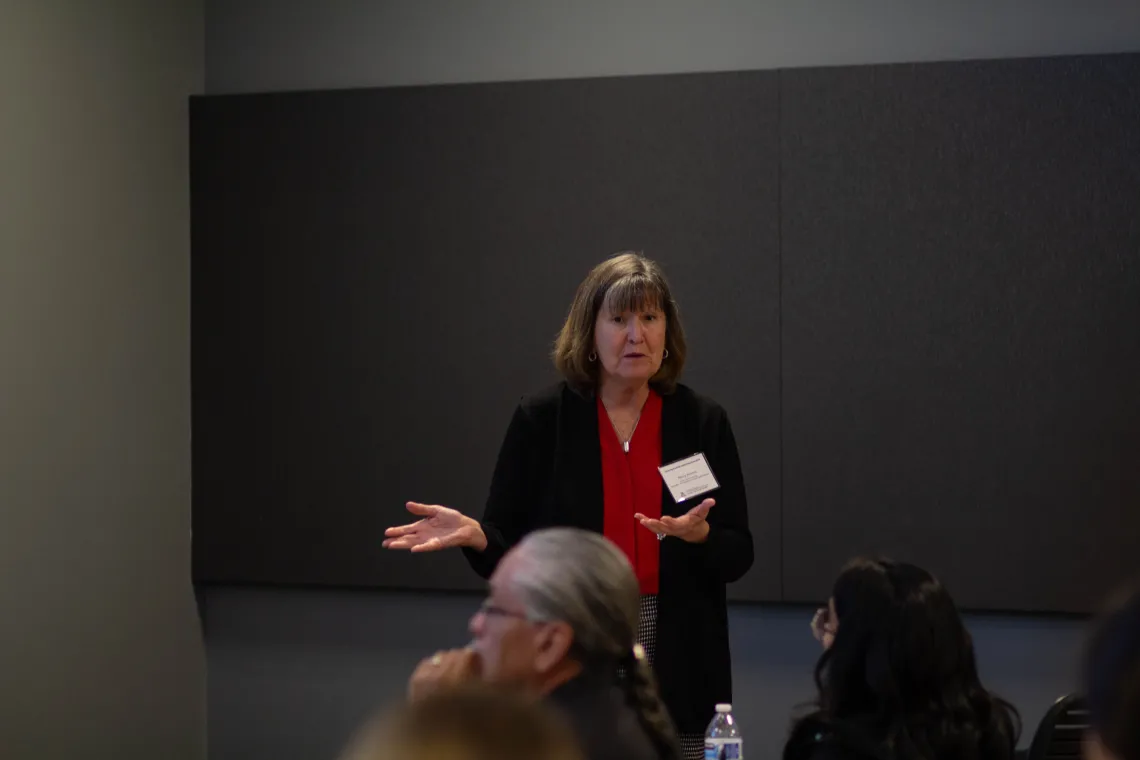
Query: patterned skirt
{"x": 692, "y": 745}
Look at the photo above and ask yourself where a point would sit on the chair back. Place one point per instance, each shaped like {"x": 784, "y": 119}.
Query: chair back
{"x": 1061, "y": 732}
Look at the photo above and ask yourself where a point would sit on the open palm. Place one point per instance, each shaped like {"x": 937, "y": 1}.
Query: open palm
{"x": 691, "y": 526}
{"x": 438, "y": 528}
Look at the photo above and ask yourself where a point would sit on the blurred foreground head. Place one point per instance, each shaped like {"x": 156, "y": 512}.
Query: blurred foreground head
{"x": 475, "y": 722}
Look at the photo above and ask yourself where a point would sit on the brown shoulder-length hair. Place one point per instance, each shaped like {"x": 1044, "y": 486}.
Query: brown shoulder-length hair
{"x": 625, "y": 281}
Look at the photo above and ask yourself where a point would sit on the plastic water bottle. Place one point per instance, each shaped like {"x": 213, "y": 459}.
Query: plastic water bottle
{"x": 723, "y": 740}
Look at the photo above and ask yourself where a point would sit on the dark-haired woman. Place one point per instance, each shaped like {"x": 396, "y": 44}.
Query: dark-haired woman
{"x": 897, "y": 679}
{"x": 586, "y": 452}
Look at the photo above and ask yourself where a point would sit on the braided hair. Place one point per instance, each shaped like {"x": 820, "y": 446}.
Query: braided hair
{"x": 584, "y": 580}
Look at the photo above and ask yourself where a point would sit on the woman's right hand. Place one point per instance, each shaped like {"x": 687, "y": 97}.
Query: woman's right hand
{"x": 438, "y": 528}
{"x": 817, "y": 622}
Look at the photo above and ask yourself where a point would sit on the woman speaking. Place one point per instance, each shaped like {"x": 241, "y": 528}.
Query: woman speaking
{"x": 621, "y": 448}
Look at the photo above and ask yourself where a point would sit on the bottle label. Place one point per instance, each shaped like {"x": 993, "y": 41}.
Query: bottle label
{"x": 724, "y": 749}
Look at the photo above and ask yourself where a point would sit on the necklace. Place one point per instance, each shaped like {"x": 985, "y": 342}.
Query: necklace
{"x": 625, "y": 443}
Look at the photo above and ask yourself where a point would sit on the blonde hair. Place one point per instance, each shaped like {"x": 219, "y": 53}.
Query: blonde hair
{"x": 625, "y": 281}
{"x": 474, "y": 722}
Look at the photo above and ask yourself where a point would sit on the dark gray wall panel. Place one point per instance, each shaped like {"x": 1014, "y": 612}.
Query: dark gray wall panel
{"x": 961, "y": 325}
{"x": 378, "y": 276}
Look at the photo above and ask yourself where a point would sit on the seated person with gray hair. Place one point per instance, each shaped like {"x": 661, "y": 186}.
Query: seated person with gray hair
{"x": 560, "y": 623}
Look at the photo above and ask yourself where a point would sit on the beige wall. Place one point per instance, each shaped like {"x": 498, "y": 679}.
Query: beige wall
{"x": 100, "y": 644}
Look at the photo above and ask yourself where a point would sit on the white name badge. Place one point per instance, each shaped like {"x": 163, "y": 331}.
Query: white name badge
{"x": 688, "y": 477}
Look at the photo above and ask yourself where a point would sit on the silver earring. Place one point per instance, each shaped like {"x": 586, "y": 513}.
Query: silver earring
{"x": 593, "y": 356}
{"x": 666, "y": 354}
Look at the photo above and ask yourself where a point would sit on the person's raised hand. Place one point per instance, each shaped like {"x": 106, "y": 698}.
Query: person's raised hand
{"x": 438, "y": 528}
{"x": 692, "y": 526}
{"x": 444, "y": 670}
{"x": 823, "y": 628}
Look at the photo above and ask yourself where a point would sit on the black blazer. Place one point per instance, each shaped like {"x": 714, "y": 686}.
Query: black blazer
{"x": 549, "y": 473}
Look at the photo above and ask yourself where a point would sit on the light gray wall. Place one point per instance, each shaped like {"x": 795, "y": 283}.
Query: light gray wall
{"x": 101, "y": 652}
{"x": 292, "y": 672}
{"x": 302, "y": 44}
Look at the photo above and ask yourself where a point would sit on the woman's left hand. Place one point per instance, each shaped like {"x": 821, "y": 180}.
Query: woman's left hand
{"x": 691, "y": 526}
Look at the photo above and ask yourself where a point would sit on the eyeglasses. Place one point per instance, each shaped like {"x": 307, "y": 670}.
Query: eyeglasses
{"x": 492, "y": 610}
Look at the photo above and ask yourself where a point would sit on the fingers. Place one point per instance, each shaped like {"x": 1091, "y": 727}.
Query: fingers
{"x": 670, "y": 526}
{"x": 434, "y": 544}
{"x": 675, "y": 525}
{"x": 702, "y": 509}
{"x": 468, "y": 664}
{"x": 427, "y": 665}
{"x": 421, "y": 540}
{"x": 402, "y": 530}
{"x": 817, "y": 625}
{"x": 682, "y": 526}
{"x": 405, "y": 542}
{"x": 422, "y": 681}
{"x": 431, "y": 545}
{"x": 423, "y": 510}
{"x": 416, "y": 542}
{"x": 443, "y": 669}
{"x": 654, "y": 525}
{"x": 690, "y": 527}
{"x": 458, "y": 666}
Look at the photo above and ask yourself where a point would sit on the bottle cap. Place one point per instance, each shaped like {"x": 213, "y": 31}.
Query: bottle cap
{"x": 724, "y": 708}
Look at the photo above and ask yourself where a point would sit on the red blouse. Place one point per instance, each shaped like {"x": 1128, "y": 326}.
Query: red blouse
{"x": 631, "y": 483}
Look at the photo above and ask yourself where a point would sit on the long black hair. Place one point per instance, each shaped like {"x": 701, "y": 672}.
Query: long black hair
{"x": 900, "y": 681}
